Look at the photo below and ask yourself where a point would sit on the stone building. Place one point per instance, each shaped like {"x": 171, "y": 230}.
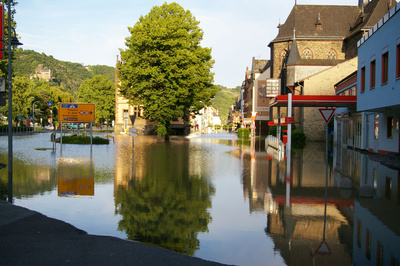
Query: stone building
{"x": 42, "y": 72}
{"x": 315, "y": 38}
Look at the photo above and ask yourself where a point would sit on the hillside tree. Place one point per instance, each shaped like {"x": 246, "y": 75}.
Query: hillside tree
{"x": 100, "y": 91}
{"x": 164, "y": 69}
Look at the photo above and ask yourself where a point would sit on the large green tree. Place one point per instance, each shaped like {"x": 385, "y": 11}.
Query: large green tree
{"x": 100, "y": 91}
{"x": 164, "y": 67}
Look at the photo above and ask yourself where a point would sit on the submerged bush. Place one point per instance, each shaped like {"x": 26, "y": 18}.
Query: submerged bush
{"x": 75, "y": 139}
{"x": 243, "y": 132}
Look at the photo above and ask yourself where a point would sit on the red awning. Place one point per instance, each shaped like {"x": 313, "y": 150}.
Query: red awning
{"x": 315, "y": 101}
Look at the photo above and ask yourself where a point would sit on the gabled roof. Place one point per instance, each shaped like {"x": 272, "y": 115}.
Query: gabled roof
{"x": 335, "y": 21}
{"x": 260, "y": 65}
{"x": 370, "y": 15}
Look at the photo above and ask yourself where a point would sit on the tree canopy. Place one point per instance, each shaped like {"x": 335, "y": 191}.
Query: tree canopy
{"x": 164, "y": 68}
{"x": 100, "y": 91}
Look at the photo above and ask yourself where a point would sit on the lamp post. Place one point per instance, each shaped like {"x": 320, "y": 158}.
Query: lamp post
{"x": 11, "y": 41}
{"x": 33, "y": 116}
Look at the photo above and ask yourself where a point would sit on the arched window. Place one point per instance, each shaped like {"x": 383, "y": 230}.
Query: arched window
{"x": 331, "y": 54}
{"x": 306, "y": 54}
{"x": 283, "y": 58}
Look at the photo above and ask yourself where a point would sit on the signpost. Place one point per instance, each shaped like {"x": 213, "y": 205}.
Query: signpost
{"x": 76, "y": 113}
{"x": 327, "y": 114}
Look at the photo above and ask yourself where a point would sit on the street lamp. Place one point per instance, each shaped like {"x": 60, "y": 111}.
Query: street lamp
{"x": 33, "y": 116}
{"x": 11, "y": 41}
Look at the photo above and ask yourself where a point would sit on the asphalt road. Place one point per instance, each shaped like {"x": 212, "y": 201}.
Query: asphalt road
{"x": 30, "y": 238}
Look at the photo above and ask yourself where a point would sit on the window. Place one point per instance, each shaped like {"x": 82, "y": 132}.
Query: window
{"x": 376, "y": 120}
{"x": 353, "y": 90}
{"x": 372, "y": 73}
{"x": 398, "y": 61}
{"x": 379, "y": 254}
{"x": 307, "y": 54}
{"x": 362, "y": 79}
{"x": 385, "y": 67}
{"x": 331, "y": 54}
{"x": 368, "y": 245}
{"x": 358, "y": 233}
{"x": 389, "y": 126}
{"x": 388, "y": 188}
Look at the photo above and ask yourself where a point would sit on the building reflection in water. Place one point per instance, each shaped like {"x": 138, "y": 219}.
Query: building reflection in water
{"x": 162, "y": 192}
{"x": 75, "y": 177}
{"x": 358, "y": 230}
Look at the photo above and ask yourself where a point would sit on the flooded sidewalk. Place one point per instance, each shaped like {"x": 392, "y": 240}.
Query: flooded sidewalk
{"x": 30, "y": 238}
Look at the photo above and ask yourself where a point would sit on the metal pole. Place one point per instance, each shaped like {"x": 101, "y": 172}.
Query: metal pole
{"x": 288, "y": 151}
{"x": 326, "y": 178}
{"x": 10, "y": 140}
{"x": 33, "y": 115}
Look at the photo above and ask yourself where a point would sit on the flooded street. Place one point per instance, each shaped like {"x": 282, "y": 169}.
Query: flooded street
{"x": 216, "y": 197}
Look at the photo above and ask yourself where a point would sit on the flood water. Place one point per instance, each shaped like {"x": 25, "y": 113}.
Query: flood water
{"x": 215, "y": 197}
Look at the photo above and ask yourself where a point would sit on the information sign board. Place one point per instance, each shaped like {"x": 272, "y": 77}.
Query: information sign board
{"x": 76, "y": 112}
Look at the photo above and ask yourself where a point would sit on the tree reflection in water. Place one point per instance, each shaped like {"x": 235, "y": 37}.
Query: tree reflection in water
{"x": 164, "y": 205}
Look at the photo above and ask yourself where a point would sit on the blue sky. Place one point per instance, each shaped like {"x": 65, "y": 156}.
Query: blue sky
{"x": 91, "y": 32}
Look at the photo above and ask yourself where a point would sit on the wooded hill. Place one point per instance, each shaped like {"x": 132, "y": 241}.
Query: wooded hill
{"x": 223, "y": 100}
{"x": 66, "y": 74}
{"x": 70, "y": 76}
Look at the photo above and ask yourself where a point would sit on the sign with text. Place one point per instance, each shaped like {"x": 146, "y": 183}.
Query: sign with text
{"x": 273, "y": 87}
{"x": 76, "y": 112}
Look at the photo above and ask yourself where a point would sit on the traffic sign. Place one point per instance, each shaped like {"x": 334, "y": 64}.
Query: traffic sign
{"x": 133, "y": 135}
{"x": 132, "y": 129}
{"x": 323, "y": 248}
{"x": 327, "y": 113}
{"x": 76, "y": 112}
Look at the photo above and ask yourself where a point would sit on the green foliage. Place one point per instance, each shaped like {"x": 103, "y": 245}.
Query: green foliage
{"x": 21, "y": 97}
{"x": 78, "y": 139}
{"x": 298, "y": 136}
{"x": 65, "y": 74}
{"x": 243, "y": 132}
{"x": 164, "y": 67}
{"x": 298, "y": 139}
{"x": 223, "y": 100}
{"x": 163, "y": 207}
{"x": 100, "y": 91}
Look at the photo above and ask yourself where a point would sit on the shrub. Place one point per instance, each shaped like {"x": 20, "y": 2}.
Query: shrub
{"x": 84, "y": 140}
{"x": 243, "y": 132}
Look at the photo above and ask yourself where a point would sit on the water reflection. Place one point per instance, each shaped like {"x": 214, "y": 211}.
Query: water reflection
{"x": 162, "y": 197}
{"x": 218, "y": 198}
{"x": 75, "y": 177}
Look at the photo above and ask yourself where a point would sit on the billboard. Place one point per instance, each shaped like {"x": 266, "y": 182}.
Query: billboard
{"x": 273, "y": 87}
{"x": 76, "y": 112}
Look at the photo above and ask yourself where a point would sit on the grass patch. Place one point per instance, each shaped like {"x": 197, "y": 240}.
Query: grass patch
{"x": 83, "y": 140}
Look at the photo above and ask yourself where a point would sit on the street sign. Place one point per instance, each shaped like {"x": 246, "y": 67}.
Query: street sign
{"x": 76, "y": 112}
{"x": 50, "y": 103}
{"x": 132, "y": 129}
{"x": 323, "y": 248}
{"x": 327, "y": 113}
{"x": 133, "y": 117}
{"x": 133, "y": 135}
